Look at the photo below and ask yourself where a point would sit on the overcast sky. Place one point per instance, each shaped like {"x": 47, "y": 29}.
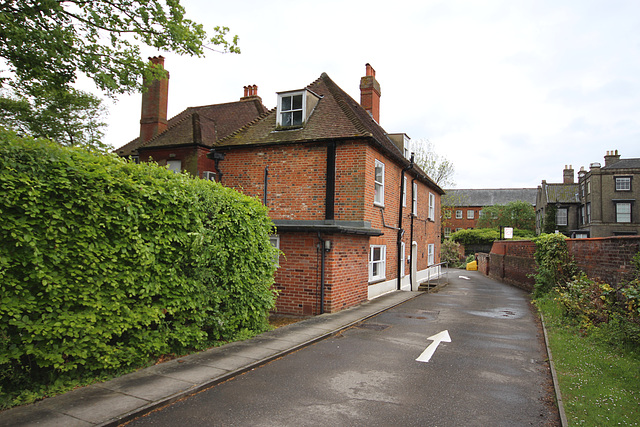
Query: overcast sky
{"x": 509, "y": 91}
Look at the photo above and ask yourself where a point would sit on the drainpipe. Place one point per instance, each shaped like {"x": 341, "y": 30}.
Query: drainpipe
{"x": 323, "y": 248}
{"x": 400, "y": 230}
{"x": 266, "y": 184}
{"x": 411, "y": 257}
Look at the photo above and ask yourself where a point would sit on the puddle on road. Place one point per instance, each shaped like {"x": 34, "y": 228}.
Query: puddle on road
{"x": 499, "y": 313}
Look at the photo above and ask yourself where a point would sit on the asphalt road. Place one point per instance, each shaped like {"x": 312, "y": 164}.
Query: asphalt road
{"x": 492, "y": 373}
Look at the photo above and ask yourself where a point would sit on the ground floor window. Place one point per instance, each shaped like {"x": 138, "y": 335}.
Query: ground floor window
{"x": 274, "y": 239}
{"x": 431, "y": 251}
{"x": 377, "y": 262}
{"x": 402, "y": 259}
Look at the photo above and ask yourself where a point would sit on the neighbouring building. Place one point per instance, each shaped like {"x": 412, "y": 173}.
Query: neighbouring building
{"x": 355, "y": 217}
{"x": 464, "y": 206}
{"x": 558, "y": 204}
{"x": 608, "y": 197}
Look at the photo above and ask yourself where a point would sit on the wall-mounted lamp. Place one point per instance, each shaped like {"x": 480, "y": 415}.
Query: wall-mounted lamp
{"x": 327, "y": 245}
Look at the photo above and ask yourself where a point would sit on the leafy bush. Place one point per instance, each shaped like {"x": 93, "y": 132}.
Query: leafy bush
{"x": 554, "y": 263}
{"x": 612, "y": 314}
{"x": 105, "y": 264}
{"x": 449, "y": 252}
{"x": 486, "y": 236}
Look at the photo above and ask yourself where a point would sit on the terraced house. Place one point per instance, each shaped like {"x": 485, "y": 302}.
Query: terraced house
{"x": 355, "y": 217}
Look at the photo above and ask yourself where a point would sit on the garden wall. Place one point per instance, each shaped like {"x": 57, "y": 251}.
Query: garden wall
{"x": 607, "y": 259}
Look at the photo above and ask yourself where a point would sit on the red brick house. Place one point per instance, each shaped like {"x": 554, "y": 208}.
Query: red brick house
{"x": 355, "y": 218}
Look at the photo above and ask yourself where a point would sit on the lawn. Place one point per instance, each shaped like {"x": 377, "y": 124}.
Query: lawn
{"x": 599, "y": 382}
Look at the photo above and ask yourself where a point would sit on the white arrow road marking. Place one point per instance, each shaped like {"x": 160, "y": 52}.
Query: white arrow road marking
{"x": 464, "y": 277}
{"x": 437, "y": 339}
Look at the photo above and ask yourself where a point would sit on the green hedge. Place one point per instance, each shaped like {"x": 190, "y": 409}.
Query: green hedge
{"x": 105, "y": 263}
{"x": 486, "y": 236}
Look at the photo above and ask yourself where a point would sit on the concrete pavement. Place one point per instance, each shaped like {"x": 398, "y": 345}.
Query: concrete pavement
{"x": 124, "y": 398}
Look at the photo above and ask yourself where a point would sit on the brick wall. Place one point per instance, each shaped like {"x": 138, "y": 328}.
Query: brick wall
{"x": 607, "y": 259}
{"x": 194, "y": 159}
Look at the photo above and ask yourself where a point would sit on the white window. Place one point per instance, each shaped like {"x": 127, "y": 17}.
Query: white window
{"x": 459, "y": 214}
{"x": 470, "y": 214}
{"x": 274, "y": 239}
{"x": 174, "y": 165}
{"x": 378, "y": 198}
{"x": 561, "y": 216}
{"x": 431, "y": 252}
{"x": 291, "y": 109}
{"x": 447, "y": 232}
{"x": 623, "y": 183}
{"x": 402, "y": 259}
{"x": 432, "y": 207}
{"x": 588, "y": 187}
{"x": 447, "y": 214}
{"x": 404, "y": 192}
{"x": 414, "y": 200}
{"x": 623, "y": 212}
{"x": 377, "y": 262}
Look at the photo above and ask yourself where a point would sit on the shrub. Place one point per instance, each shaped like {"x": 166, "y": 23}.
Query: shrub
{"x": 554, "y": 263}
{"x": 449, "y": 252}
{"x": 486, "y": 236}
{"x": 106, "y": 264}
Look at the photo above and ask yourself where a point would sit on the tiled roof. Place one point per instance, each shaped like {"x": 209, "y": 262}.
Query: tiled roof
{"x": 561, "y": 193}
{"x": 491, "y": 196}
{"x": 336, "y": 116}
{"x": 624, "y": 164}
{"x": 202, "y": 125}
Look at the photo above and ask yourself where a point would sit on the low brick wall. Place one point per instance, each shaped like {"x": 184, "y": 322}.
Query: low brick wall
{"x": 607, "y": 259}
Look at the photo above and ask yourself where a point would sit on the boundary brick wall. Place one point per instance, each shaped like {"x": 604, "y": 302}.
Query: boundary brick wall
{"x": 607, "y": 259}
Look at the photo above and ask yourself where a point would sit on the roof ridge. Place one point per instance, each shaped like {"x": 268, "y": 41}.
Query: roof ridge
{"x": 339, "y": 95}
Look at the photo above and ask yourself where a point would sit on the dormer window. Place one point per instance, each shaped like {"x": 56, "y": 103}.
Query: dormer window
{"x": 291, "y": 110}
{"x": 295, "y": 107}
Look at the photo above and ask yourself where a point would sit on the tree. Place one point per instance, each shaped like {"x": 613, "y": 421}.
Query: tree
{"x": 517, "y": 214}
{"x": 47, "y": 44}
{"x": 439, "y": 168}
{"x": 71, "y": 118}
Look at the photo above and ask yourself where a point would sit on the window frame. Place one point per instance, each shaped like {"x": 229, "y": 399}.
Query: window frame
{"x": 431, "y": 254}
{"x": 458, "y": 213}
{"x": 382, "y": 263}
{"x": 447, "y": 232}
{"x": 274, "y": 239}
{"x": 378, "y": 196}
{"x": 566, "y": 217}
{"x": 432, "y": 206}
{"x": 618, "y": 204}
{"x": 404, "y": 192}
{"x": 172, "y": 163}
{"x": 414, "y": 199}
{"x": 471, "y": 214}
{"x": 402, "y": 259}
{"x": 621, "y": 179}
{"x": 281, "y": 111}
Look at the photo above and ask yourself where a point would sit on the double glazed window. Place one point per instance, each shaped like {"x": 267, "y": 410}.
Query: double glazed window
{"x": 377, "y": 262}
{"x": 378, "y": 197}
{"x": 470, "y": 214}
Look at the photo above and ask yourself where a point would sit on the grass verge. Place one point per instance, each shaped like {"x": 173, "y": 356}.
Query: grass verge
{"x": 599, "y": 380}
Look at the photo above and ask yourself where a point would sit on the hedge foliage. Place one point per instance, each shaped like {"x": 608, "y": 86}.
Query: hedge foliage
{"x": 486, "y": 236}
{"x": 553, "y": 261}
{"x": 105, "y": 263}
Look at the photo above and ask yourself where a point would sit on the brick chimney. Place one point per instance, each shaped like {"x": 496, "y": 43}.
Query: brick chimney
{"x": 250, "y": 92}
{"x": 611, "y": 157}
{"x": 370, "y": 93}
{"x": 153, "y": 119}
{"x": 567, "y": 175}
